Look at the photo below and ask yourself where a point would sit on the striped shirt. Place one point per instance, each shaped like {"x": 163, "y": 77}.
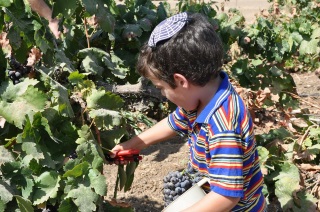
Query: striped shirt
{"x": 222, "y": 146}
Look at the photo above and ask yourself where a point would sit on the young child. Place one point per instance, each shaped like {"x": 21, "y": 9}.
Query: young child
{"x": 183, "y": 58}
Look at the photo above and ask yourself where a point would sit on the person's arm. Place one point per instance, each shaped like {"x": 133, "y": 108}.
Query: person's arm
{"x": 214, "y": 202}
{"x": 40, "y": 7}
{"x": 157, "y": 133}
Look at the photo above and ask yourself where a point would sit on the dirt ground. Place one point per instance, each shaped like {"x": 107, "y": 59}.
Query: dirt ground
{"x": 146, "y": 193}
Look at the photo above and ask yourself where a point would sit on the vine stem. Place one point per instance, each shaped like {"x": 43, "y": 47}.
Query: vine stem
{"x": 305, "y": 135}
{"x": 86, "y": 30}
{"x": 115, "y": 192}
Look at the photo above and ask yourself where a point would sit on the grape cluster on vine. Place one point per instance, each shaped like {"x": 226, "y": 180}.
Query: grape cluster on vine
{"x": 17, "y": 70}
{"x": 175, "y": 183}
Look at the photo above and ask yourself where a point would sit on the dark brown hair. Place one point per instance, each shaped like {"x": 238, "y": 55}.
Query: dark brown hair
{"x": 196, "y": 52}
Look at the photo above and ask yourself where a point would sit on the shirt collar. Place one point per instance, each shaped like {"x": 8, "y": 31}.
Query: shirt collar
{"x": 222, "y": 93}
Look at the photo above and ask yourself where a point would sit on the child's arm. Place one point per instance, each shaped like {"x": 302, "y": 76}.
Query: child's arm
{"x": 159, "y": 132}
{"x": 214, "y": 202}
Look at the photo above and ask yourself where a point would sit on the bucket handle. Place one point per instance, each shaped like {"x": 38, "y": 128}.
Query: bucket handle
{"x": 203, "y": 181}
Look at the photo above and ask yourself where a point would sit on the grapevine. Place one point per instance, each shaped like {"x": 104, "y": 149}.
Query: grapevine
{"x": 56, "y": 126}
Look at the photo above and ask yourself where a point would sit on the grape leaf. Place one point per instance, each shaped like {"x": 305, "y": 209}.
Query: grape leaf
{"x": 105, "y": 19}
{"x": 66, "y": 8}
{"x": 67, "y": 206}
{"x": 32, "y": 150}
{"x": 5, "y": 155}
{"x": 92, "y": 153}
{"x": 287, "y": 182}
{"x": 309, "y": 47}
{"x": 131, "y": 30}
{"x": 306, "y": 202}
{"x": 85, "y": 135}
{"x": 122, "y": 177}
{"x": 6, "y": 193}
{"x": 101, "y": 99}
{"x": 315, "y": 33}
{"x": 90, "y": 64}
{"x": 79, "y": 170}
{"x": 98, "y": 182}
{"x": 84, "y": 198}
{"x": 46, "y": 187}
{"x": 76, "y": 77}
{"x": 105, "y": 119}
{"x": 5, "y": 3}
{"x": 22, "y": 99}
{"x": 25, "y": 205}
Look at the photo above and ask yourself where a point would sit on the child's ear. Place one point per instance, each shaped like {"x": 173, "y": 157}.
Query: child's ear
{"x": 180, "y": 80}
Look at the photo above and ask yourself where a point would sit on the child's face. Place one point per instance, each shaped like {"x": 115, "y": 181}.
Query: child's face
{"x": 180, "y": 96}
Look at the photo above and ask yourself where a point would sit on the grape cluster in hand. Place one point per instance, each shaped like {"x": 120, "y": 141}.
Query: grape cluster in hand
{"x": 17, "y": 71}
{"x": 176, "y": 183}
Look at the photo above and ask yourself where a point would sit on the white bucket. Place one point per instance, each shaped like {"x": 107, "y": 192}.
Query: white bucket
{"x": 188, "y": 198}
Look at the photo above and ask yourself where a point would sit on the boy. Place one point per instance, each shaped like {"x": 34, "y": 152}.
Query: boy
{"x": 183, "y": 58}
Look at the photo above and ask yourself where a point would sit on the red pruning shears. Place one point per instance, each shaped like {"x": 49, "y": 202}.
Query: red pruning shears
{"x": 125, "y": 155}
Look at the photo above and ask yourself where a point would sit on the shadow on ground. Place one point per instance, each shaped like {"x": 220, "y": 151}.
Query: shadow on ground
{"x": 165, "y": 148}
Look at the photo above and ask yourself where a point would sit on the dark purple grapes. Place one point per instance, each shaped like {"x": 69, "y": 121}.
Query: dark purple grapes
{"x": 73, "y": 155}
{"x": 17, "y": 71}
{"x": 176, "y": 183}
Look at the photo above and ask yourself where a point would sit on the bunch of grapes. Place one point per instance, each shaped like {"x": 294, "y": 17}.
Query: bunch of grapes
{"x": 176, "y": 183}
{"x": 73, "y": 155}
{"x": 17, "y": 71}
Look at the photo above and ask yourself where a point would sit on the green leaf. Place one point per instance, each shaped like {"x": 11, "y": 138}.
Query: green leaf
{"x": 76, "y": 78}
{"x": 122, "y": 177}
{"x": 47, "y": 186}
{"x": 263, "y": 154}
{"x": 145, "y": 24}
{"x": 101, "y": 99}
{"x": 113, "y": 137}
{"x": 84, "y": 198}
{"x": 23, "y": 99}
{"x": 105, "y": 119}
{"x": 61, "y": 95}
{"x": 78, "y": 171}
{"x": 98, "y": 182}
{"x": 25, "y": 205}
{"x": 64, "y": 60}
{"x": 256, "y": 62}
{"x": 90, "y": 64}
{"x": 131, "y": 30}
{"x": 287, "y": 182}
{"x": 67, "y": 205}
{"x": 105, "y": 19}
{"x": 84, "y": 135}
{"x": 315, "y": 33}
{"x": 5, "y": 155}
{"x": 92, "y": 153}
{"x": 6, "y": 193}
{"x": 275, "y": 71}
{"x": 305, "y": 202}
{"x": 66, "y": 8}
{"x": 130, "y": 168}
{"x": 296, "y": 37}
{"x": 309, "y": 47}
{"x": 5, "y": 3}
{"x": 32, "y": 150}
{"x": 14, "y": 38}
